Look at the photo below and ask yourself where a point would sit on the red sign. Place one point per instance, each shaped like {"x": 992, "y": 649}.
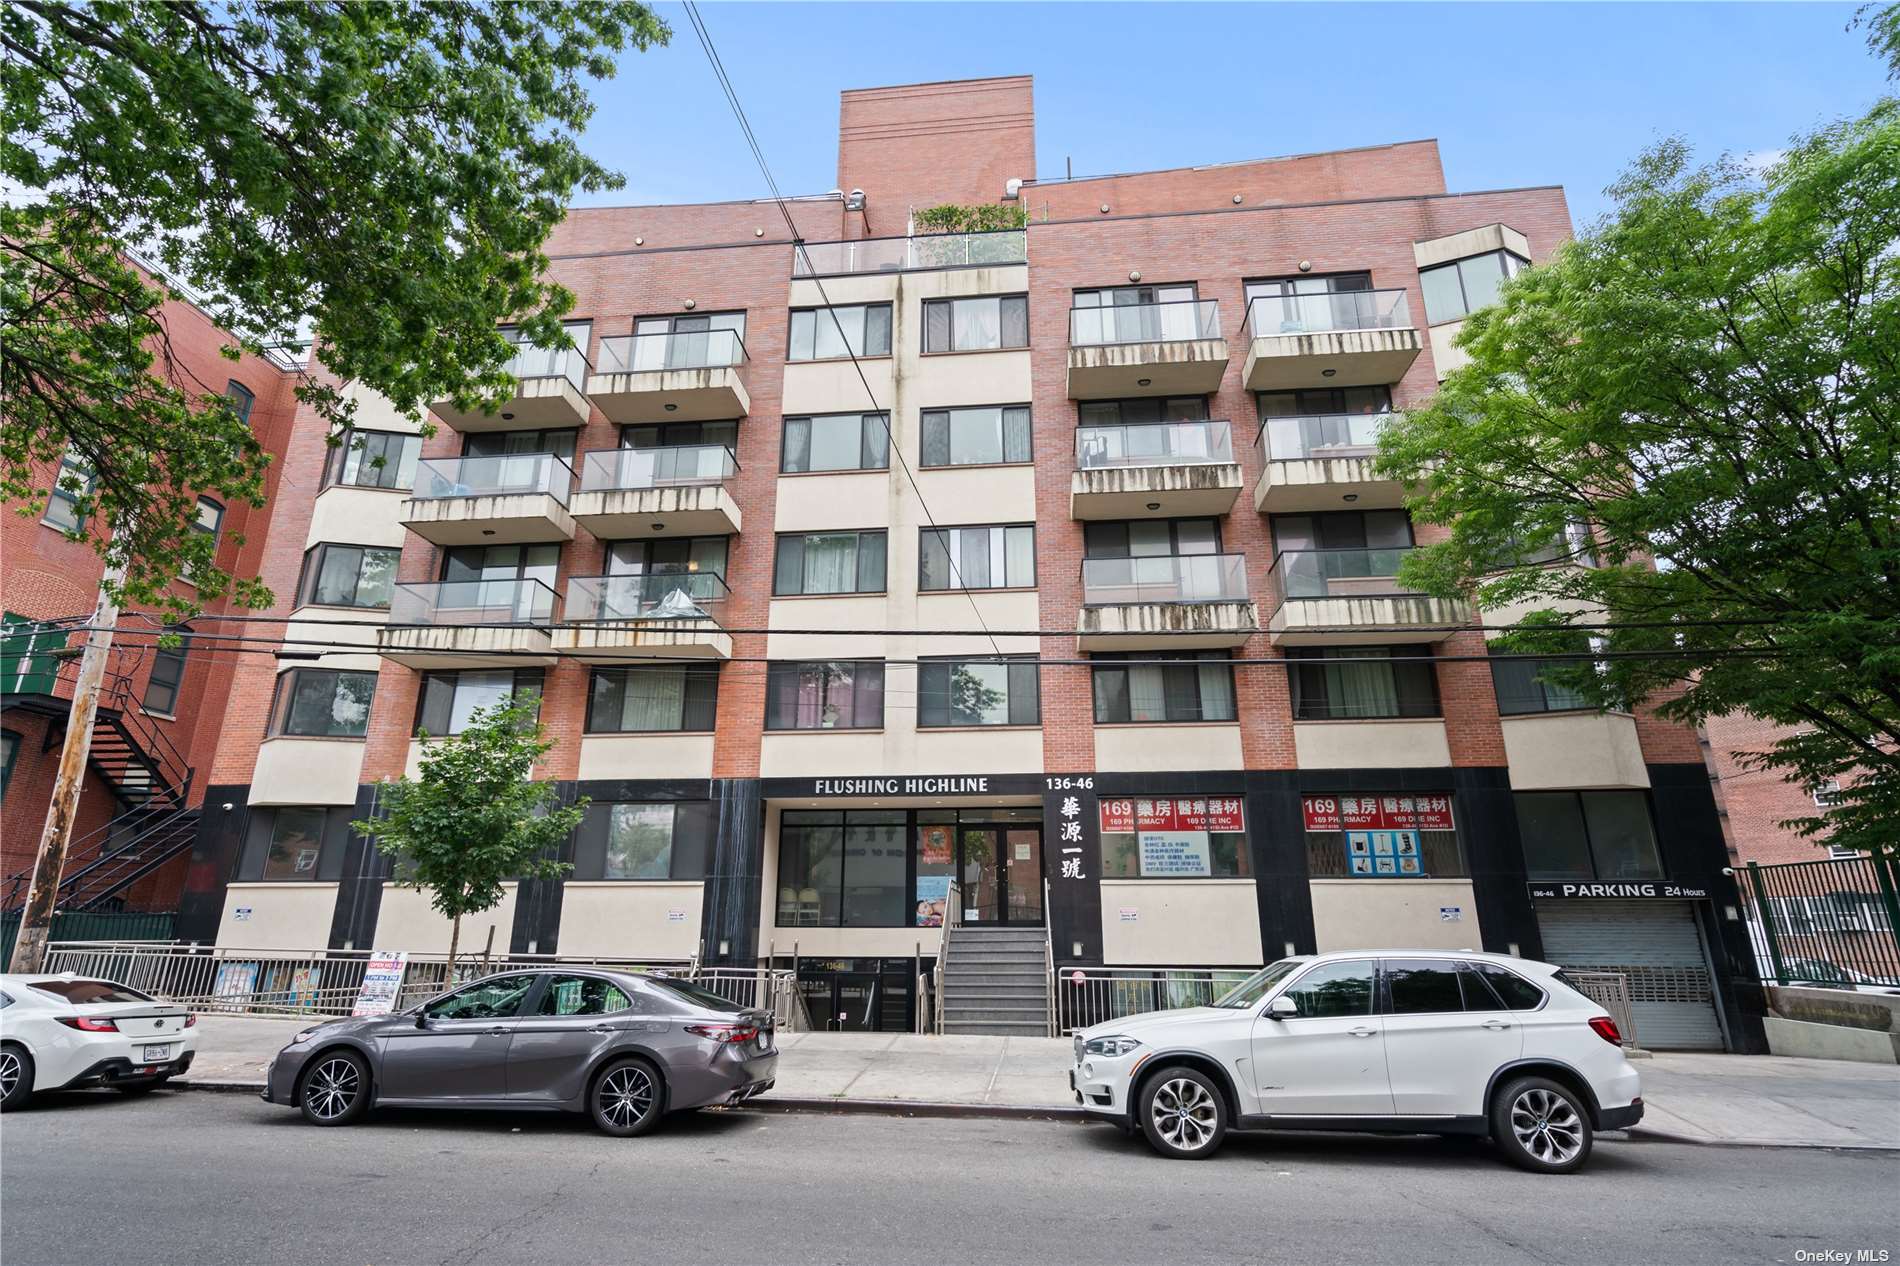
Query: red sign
{"x": 1428, "y": 812}
{"x": 1173, "y": 813}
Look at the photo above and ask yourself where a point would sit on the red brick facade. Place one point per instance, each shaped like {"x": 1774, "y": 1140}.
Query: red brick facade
{"x": 1754, "y": 802}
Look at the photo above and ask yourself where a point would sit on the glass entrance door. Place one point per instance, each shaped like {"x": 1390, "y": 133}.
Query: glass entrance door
{"x": 1001, "y": 870}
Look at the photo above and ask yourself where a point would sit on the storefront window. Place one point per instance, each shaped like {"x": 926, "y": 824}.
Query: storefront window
{"x": 644, "y": 840}
{"x": 1390, "y": 835}
{"x": 1587, "y": 835}
{"x": 640, "y": 841}
{"x": 296, "y": 842}
{"x": 1174, "y": 837}
{"x": 844, "y": 869}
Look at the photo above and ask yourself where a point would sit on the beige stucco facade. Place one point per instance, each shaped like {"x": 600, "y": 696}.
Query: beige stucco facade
{"x": 307, "y": 771}
{"x": 407, "y": 922}
{"x": 1564, "y": 750}
{"x": 1394, "y": 914}
{"x": 615, "y": 918}
{"x": 292, "y": 917}
{"x": 1188, "y": 922}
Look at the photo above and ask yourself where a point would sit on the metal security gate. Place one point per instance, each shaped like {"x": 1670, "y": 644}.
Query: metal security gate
{"x": 1658, "y": 947}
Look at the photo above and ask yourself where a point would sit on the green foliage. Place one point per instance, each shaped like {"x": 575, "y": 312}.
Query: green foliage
{"x": 382, "y": 176}
{"x": 986, "y": 217}
{"x": 1710, "y": 379}
{"x": 474, "y": 820}
{"x": 1883, "y": 34}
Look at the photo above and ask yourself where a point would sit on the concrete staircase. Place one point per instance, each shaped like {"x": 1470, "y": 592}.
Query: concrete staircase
{"x": 995, "y": 981}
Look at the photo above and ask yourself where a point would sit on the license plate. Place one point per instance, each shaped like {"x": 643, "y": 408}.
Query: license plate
{"x": 157, "y": 1054}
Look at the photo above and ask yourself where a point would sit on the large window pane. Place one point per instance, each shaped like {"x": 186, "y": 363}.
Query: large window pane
{"x": 810, "y": 869}
{"x": 296, "y": 842}
{"x": 640, "y": 841}
{"x": 857, "y": 329}
{"x": 324, "y": 703}
{"x": 876, "y": 860}
{"x": 847, "y": 694}
{"x": 660, "y": 697}
{"x": 1556, "y": 845}
{"x": 1622, "y": 841}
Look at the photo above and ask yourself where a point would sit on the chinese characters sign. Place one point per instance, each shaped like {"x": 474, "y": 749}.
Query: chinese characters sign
{"x": 1173, "y": 814}
{"x": 1428, "y": 812}
{"x": 1069, "y": 837}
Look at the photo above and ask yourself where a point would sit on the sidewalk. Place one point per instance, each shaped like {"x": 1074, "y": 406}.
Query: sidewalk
{"x": 1758, "y": 1100}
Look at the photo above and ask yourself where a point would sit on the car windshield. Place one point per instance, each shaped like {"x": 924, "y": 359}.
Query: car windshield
{"x": 695, "y": 995}
{"x": 1255, "y": 987}
{"x": 82, "y": 992}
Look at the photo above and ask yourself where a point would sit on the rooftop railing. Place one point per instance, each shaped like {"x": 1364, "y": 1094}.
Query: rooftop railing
{"x": 908, "y": 254}
{"x": 682, "y": 349}
{"x": 1153, "y": 444}
{"x": 1178, "y": 321}
{"x": 673, "y": 593}
{"x": 463, "y": 603}
{"x": 1341, "y": 573}
{"x": 690, "y": 465}
{"x": 1164, "y": 578}
{"x": 1271, "y": 315}
{"x": 1311, "y": 436}
{"x": 513, "y": 474}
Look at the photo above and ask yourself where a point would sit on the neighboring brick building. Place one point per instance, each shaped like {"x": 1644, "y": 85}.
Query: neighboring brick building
{"x": 1753, "y": 803}
{"x": 1067, "y": 603}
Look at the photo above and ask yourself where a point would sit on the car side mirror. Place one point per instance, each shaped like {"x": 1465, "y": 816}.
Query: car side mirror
{"x": 1282, "y": 1008}
{"x": 422, "y": 1019}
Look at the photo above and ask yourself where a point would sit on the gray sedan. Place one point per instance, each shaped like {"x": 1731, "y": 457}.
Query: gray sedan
{"x": 623, "y": 1047}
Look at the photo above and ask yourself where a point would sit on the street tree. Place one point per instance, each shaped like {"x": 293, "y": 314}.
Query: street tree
{"x": 474, "y": 819}
{"x": 380, "y": 177}
{"x": 1677, "y": 444}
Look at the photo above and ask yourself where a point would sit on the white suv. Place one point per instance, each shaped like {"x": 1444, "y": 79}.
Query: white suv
{"x": 1388, "y": 1041}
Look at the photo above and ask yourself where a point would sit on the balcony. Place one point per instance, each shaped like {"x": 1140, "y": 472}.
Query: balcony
{"x": 1178, "y": 602}
{"x": 635, "y": 492}
{"x": 1352, "y": 338}
{"x": 679, "y": 377}
{"x": 549, "y": 392}
{"x": 666, "y": 614}
{"x": 1146, "y": 349}
{"x": 468, "y": 624}
{"x": 1153, "y": 468}
{"x": 1322, "y": 462}
{"x": 1334, "y": 597}
{"x": 508, "y": 500}
{"x": 912, "y": 254}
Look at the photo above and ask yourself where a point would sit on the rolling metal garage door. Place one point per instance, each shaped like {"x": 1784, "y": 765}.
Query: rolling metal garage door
{"x": 1654, "y": 943}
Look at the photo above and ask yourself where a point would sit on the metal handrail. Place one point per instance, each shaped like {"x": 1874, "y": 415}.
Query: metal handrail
{"x": 618, "y": 353}
{"x": 1169, "y": 321}
{"x": 1164, "y": 578}
{"x": 1114, "y": 993}
{"x": 1611, "y": 991}
{"x": 1296, "y": 449}
{"x": 1312, "y": 573}
{"x": 952, "y": 919}
{"x": 166, "y": 819}
{"x": 1326, "y": 312}
{"x": 1048, "y": 960}
{"x": 1200, "y": 441}
{"x": 618, "y": 469}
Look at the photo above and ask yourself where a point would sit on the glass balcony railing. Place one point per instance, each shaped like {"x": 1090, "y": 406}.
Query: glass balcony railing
{"x": 512, "y": 474}
{"x": 673, "y": 593}
{"x": 467, "y": 603}
{"x": 1164, "y": 578}
{"x": 1153, "y": 444}
{"x": 541, "y": 362}
{"x": 683, "y": 349}
{"x": 1310, "y": 436}
{"x": 1325, "y": 313}
{"x": 617, "y": 469}
{"x": 910, "y": 254}
{"x": 1341, "y": 573}
{"x": 1180, "y": 321}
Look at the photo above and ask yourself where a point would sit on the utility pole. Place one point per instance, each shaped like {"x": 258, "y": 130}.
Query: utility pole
{"x": 36, "y": 922}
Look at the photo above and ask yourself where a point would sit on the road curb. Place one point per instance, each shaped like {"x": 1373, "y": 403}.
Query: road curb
{"x": 218, "y": 1087}
{"x": 1643, "y": 1134}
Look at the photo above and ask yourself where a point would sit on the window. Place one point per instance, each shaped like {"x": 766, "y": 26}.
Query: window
{"x": 1143, "y": 410}
{"x": 1587, "y": 835}
{"x": 1319, "y": 402}
{"x": 829, "y": 562}
{"x": 1358, "y": 530}
{"x": 168, "y": 673}
{"x": 1340, "y": 422}
{"x": 685, "y": 341}
{"x": 1827, "y": 796}
{"x": 979, "y": 692}
{"x": 835, "y": 441}
{"x": 1463, "y": 286}
{"x": 976, "y": 325}
{"x": 1382, "y": 835}
{"x": 296, "y": 842}
{"x": 560, "y": 443}
{"x": 582, "y": 995}
{"x": 1515, "y": 992}
{"x": 1174, "y": 837}
{"x": 1427, "y": 986}
{"x": 1141, "y": 314}
{"x": 988, "y": 436}
{"x": 1299, "y": 305}
{"x": 977, "y": 558}
{"x": 1333, "y": 989}
{"x": 210, "y": 517}
{"x": 502, "y": 563}
{"x": 844, "y": 869}
{"x": 242, "y": 400}
{"x": 1181, "y": 687}
{"x": 498, "y": 998}
{"x": 680, "y": 435}
{"x": 89, "y": 992}
{"x": 347, "y": 576}
{"x": 1329, "y": 686}
{"x": 1150, "y": 538}
{"x": 9, "y": 750}
{"x": 815, "y": 335}
{"x": 447, "y": 701}
{"x": 322, "y": 703}
{"x": 644, "y": 842}
{"x": 827, "y": 695}
{"x": 655, "y": 697}
{"x": 1522, "y": 687}
{"x": 72, "y": 481}
{"x": 373, "y": 459}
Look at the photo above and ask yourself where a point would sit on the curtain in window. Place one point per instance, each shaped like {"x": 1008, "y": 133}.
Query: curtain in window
{"x": 937, "y": 327}
{"x": 1015, "y": 315}
{"x": 831, "y": 563}
{"x": 977, "y": 323}
{"x": 654, "y": 700}
{"x": 1016, "y": 447}
{"x": 1147, "y": 693}
{"x": 797, "y": 456}
{"x": 1019, "y": 563}
{"x": 936, "y": 439}
{"x": 1361, "y": 690}
{"x": 1217, "y": 692}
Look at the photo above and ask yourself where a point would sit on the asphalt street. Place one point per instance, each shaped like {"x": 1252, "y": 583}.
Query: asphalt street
{"x": 198, "y": 1179}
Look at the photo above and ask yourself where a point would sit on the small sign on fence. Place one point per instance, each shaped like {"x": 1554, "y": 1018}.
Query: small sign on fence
{"x": 382, "y": 982}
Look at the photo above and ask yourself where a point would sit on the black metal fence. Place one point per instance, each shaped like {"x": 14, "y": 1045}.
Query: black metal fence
{"x": 1833, "y": 923}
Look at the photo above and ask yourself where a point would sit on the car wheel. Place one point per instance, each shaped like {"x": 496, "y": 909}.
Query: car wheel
{"x": 335, "y": 1088}
{"x": 16, "y": 1078}
{"x": 1183, "y": 1114}
{"x": 625, "y": 1099}
{"x": 1541, "y": 1125}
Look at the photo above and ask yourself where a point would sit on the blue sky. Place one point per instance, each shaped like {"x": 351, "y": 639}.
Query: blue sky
{"x": 1517, "y": 94}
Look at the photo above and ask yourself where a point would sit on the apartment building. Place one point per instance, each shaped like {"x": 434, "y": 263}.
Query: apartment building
{"x": 1034, "y": 583}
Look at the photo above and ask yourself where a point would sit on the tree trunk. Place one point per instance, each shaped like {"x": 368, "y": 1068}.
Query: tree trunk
{"x": 455, "y": 939}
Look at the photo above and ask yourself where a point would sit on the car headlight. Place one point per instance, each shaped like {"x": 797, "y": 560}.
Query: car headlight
{"x": 1113, "y": 1047}
{"x": 306, "y": 1035}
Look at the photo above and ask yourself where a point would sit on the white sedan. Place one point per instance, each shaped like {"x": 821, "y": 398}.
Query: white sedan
{"x": 64, "y": 1032}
